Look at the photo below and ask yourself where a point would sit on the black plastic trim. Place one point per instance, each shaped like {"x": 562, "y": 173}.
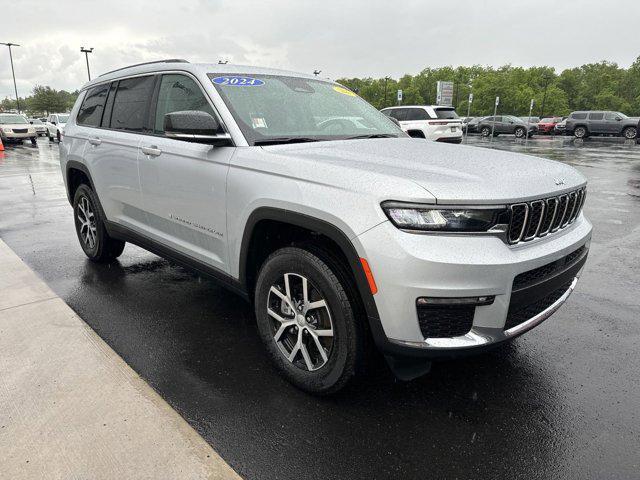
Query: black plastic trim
{"x": 315, "y": 225}
{"x": 74, "y": 165}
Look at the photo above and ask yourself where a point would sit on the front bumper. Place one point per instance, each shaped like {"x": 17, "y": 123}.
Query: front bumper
{"x": 17, "y": 136}
{"x": 407, "y": 266}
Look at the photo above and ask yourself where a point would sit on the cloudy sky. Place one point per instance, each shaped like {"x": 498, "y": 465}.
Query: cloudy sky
{"x": 340, "y": 37}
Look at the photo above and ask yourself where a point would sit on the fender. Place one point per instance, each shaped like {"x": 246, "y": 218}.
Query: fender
{"x": 314, "y": 224}
{"x": 73, "y": 164}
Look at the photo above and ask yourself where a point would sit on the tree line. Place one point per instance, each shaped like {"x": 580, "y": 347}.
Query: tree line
{"x": 42, "y": 101}
{"x": 595, "y": 86}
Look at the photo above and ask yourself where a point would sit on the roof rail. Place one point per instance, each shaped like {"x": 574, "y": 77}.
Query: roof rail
{"x": 169, "y": 60}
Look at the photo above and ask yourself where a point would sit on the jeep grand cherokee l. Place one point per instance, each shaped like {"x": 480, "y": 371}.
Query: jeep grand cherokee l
{"x": 585, "y": 124}
{"x": 337, "y": 226}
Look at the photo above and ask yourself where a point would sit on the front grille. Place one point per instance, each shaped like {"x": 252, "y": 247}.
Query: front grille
{"x": 548, "y": 215}
{"x": 541, "y": 273}
{"x": 522, "y": 313}
{"x": 443, "y": 321}
{"x": 20, "y": 130}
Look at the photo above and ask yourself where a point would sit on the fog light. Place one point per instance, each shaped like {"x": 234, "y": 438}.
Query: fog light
{"x": 476, "y": 301}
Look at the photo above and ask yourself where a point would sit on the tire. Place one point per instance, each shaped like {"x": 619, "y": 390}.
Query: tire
{"x": 289, "y": 333}
{"x": 630, "y": 133}
{"x": 33, "y": 141}
{"x": 519, "y": 132}
{"x": 58, "y": 136}
{"x": 92, "y": 234}
{"x": 580, "y": 132}
{"x": 485, "y": 131}
{"x": 50, "y": 137}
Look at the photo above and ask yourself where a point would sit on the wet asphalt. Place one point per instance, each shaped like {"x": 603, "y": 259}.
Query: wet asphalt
{"x": 560, "y": 402}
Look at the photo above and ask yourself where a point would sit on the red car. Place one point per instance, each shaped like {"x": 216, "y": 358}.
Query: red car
{"x": 547, "y": 125}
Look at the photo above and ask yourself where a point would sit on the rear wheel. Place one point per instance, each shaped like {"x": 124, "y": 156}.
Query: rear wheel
{"x": 92, "y": 234}
{"x": 58, "y": 136}
{"x": 307, "y": 320}
{"x": 630, "y": 133}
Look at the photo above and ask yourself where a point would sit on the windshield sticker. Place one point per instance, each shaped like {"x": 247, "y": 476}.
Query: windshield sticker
{"x": 238, "y": 81}
{"x": 344, "y": 91}
{"x": 258, "y": 122}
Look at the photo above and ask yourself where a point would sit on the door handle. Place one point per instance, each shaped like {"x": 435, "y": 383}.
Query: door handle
{"x": 152, "y": 151}
{"x": 95, "y": 141}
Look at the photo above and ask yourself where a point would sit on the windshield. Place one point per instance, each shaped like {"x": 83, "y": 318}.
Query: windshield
{"x": 12, "y": 119}
{"x": 63, "y": 118}
{"x": 35, "y": 121}
{"x": 446, "y": 113}
{"x": 547, "y": 120}
{"x": 278, "y": 109}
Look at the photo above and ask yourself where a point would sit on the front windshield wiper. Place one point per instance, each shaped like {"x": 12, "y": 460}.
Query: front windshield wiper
{"x": 279, "y": 140}
{"x": 373, "y": 135}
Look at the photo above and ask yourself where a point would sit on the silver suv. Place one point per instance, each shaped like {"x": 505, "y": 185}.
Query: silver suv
{"x": 342, "y": 231}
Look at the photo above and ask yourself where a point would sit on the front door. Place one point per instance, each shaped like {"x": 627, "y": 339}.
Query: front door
{"x": 184, "y": 183}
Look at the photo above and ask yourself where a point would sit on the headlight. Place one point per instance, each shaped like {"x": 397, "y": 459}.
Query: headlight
{"x": 448, "y": 219}
{"x": 5, "y": 130}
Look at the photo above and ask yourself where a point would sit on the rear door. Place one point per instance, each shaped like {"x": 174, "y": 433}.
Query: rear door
{"x": 597, "y": 123}
{"x": 184, "y": 183}
{"x": 112, "y": 150}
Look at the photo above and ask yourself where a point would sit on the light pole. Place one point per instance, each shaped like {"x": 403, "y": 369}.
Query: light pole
{"x": 386, "y": 79}
{"x": 15, "y": 86}
{"x": 86, "y": 52}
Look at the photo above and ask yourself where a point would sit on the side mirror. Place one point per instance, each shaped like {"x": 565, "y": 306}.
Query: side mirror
{"x": 195, "y": 126}
{"x": 31, "y": 122}
{"x": 52, "y": 122}
{"x": 619, "y": 119}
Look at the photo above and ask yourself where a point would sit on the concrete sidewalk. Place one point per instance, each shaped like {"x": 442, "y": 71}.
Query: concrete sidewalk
{"x": 70, "y": 407}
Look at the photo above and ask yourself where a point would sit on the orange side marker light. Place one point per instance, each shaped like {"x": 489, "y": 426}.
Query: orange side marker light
{"x": 367, "y": 272}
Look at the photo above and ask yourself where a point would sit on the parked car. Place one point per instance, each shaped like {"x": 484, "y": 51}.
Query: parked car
{"x": 586, "y": 123}
{"x": 548, "y": 125}
{"x": 508, "y": 124}
{"x": 432, "y": 122}
{"x": 342, "y": 234}
{"x": 530, "y": 119}
{"x": 15, "y": 128}
{"x": 39, "y": 127}
{"x": 55, "y": 125}
{"x": 472, "y": 125}
{"x": 560, "y": 127}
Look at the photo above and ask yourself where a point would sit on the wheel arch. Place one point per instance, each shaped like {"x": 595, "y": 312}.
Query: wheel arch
{"x": 264, "y": 215}
{"x": 75, "y": 173}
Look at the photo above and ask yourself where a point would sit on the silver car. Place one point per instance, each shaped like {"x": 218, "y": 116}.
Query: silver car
{"x": 342, "y": 231}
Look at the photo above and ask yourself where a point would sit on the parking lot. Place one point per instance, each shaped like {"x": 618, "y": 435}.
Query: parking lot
{"x": 560, "y": 402}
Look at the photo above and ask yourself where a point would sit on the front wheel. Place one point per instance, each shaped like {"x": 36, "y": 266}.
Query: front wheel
{"x": 630, "y": 133}
{"x": 580, "y": 132}
{"x": 307, "y": 320}
{"x": 485, "y": 132}
{"x": 519, "y": 132}
{"x": 92, "y": 234}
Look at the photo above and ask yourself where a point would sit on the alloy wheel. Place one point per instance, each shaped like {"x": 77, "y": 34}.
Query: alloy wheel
{"x": 630, "y": 133}
{"x": 301, "y": 321}
{"x": 87, "y": 222}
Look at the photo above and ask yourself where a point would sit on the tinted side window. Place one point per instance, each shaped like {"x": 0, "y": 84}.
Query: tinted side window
{"x": 611, "y": 116}
{"x": 579, "y": 116}
{"x": 596, "y": 116}
{"x": 90, "y": 112}
{"x": 446, "y": 113}
{"x": 131, "y": 103}
{"x": 178, "y": 93}
{"x": 416, "y": 114}
{"x": 399, "y": 114}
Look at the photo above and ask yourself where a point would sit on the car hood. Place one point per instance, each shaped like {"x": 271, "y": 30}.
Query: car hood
{"x": 455, "y": 174}
{"x": 15, "y": 125}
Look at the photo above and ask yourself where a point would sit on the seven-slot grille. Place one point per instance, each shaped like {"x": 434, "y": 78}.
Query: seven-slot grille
{"x": 538, "y": 218}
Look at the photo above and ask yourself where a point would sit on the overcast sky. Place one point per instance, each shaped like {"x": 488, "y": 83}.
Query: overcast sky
{"x": 340, "y": 37}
